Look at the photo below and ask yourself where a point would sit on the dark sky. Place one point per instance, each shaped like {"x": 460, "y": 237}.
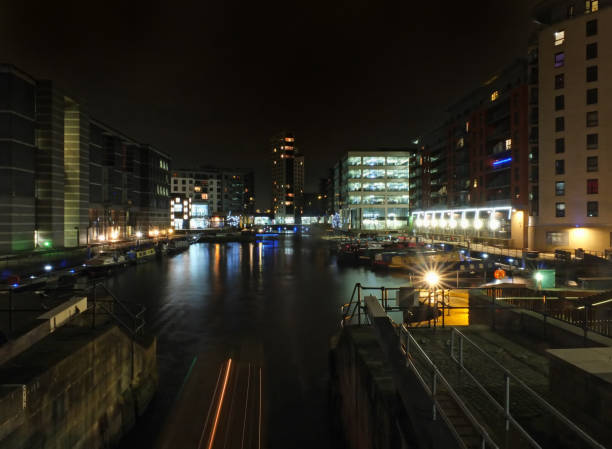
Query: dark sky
{"x": 210, "y": 81}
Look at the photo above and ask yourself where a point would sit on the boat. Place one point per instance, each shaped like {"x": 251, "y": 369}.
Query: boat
{"x": 105, "y": 263}
{"x": 141, "y": 255}
{"x": 178, "y": 245}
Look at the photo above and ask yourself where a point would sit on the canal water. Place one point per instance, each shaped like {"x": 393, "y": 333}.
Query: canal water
{"x": 282, "y": 298}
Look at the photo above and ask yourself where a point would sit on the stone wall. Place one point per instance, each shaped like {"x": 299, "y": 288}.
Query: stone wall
{"x": 83, "y": 389}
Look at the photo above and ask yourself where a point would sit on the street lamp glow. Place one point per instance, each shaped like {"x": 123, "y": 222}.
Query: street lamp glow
{"x": 452, "y": 223}
{"x": 432, "y": 278}
{"x": 464, "y": 223}
{"x": 494, "y": 224}
{"x": 138, "y": 234}
{"x": 48, "y": 268}
{"x": 477, "y": 223}
{"x": 539, "y": 276}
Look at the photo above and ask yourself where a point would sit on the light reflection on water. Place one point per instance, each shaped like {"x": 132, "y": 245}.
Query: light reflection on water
{"x": 283, "y": 296}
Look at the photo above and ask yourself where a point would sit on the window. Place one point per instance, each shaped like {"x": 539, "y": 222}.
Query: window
{"x": 592, "y": 163}
{"x": 570, "y": 11}
{"x": 559, "y": 37}
{"x": 591, "y": 96}
{"x": 559, "y": 102}
{"x": 559, "y": 59}
{"x": 592, "y": 186}
{"x": 559, "y": 124}
{"x": 591, "y": 28}
{"x": 591, "y": 6}
{"x": 592, "y": 208}
{"x": 592, "y": 141}
{"x": 559, "y": 209}
{"x": 591, "y": 73}
{"x": 560, "y": 188}
{"x": 508, "y": 144}
{"x": 559, "y": 81}
{"x": 591, "y": 50}
{"x": 494, "y": 95}
{"x": 557, "y": 238}
{"x": 560, "y": 167}
{"x": 560, "y": 145}
{"x": 592, "y": 119}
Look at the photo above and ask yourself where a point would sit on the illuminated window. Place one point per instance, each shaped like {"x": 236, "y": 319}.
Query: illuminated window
{"x": 495, "y": 95}
{"x": 560, "y": 188}
{"x": 591, "y": 6}
{"x": 460, "y": 143}
{"x": 559, "y": 59}
{"x": 289, "y": 139}
{"x": 475, "y": 183}
{"x": 559, "y": 209}
{"x": 559, "y": 37}
{"x": 467, "y": 127}
{"x": 592, "y": 186}
{"x": 508, "y": 144}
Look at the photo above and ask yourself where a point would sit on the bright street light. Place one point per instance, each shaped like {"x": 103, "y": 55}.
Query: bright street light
{"x": 539, "y": 276}
{"x": 432, "y": 278}
{"x": 138, "y": 234}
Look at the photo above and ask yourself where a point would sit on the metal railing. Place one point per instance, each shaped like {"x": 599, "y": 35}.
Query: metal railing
{"x": 589, "y": 313}
{"x": 129, "y": 316}
{"x": 438, "y": 387}
{"x": 525, "y": 391}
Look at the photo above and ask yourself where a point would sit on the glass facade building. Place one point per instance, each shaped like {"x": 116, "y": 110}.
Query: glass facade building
{"x": 372, "y": 189}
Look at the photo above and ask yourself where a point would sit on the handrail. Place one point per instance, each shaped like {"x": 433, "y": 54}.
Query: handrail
{"x": 483, "y": 433}
{"x": 138, "y": 321}
{"x": 509, "y": 374}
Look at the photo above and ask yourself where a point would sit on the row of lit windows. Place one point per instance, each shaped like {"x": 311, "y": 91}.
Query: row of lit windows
{"x": 378, "y": 160}
{"x": 377, "y": 173}
{"x": 592, "y": 209}
{"x": 377, "y": 186}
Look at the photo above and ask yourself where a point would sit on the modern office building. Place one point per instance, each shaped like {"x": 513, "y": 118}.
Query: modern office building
{"x": 575, "y": 111}
{"x": 470, "y": 174}
{"x": 372, "y": 189}
{"x": 17, "y": 160}
{"x": 68, "y": 179}
{"x": 287, "y": 178}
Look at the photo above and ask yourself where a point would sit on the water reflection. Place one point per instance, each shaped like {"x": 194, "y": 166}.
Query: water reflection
{"x": 284, "y": 296}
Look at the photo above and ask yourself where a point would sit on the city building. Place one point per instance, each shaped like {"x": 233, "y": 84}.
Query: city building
{"x": 575, "y": 112}
{"x": 225, "y": 190}
{"x": 287, "y": 178}
{"x": 469, "y": 177}
{"x": 17, "y": 160}
{"x": 66, "y": 179}
{"x": 371, "y": 189}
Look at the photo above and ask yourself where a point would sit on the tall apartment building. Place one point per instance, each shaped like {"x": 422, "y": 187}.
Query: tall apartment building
{"x": 287, "y": 178}
{"x": 470, "y": 175}
{"x": 575, "y": 112}
{"x": 372, "y": 189}
{"x": 69, "y": 179}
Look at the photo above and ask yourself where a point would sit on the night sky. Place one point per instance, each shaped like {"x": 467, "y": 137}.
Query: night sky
{"x": 211, "y": 82}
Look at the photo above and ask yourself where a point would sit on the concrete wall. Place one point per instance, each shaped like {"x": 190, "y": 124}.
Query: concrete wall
{"x": 366, "y": 402}
{"x": 83, "y": 389}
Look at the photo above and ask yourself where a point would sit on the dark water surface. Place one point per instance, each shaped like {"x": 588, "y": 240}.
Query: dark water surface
{"x": 282, "y": 297}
